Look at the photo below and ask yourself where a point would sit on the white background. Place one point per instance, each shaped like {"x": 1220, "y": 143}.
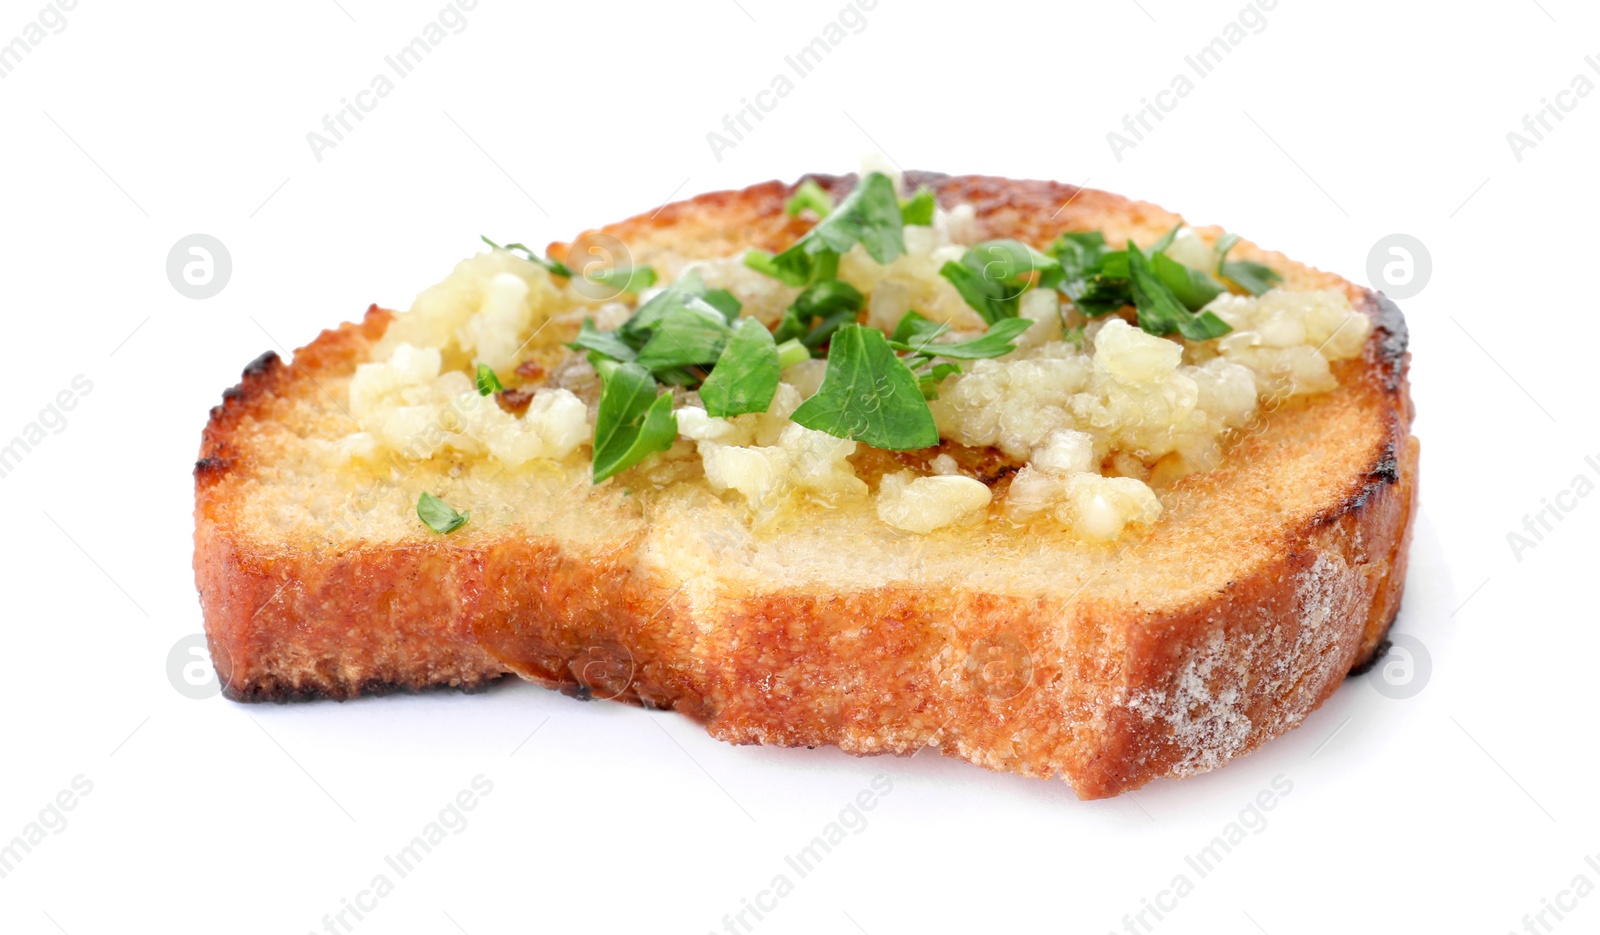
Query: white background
{"x": 1456, "y": 810}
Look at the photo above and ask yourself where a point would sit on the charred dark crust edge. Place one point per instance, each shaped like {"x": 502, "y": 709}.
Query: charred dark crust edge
{"x": 1393, "y": 338}
{"x": 1366, "y": 665}
{"x": 1388, "y": 349}
{"x": 270, "y": 692}
{"x": 255, "y": 380}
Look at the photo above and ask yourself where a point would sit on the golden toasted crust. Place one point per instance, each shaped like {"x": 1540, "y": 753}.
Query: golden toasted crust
{"x": 1298, "y": 544}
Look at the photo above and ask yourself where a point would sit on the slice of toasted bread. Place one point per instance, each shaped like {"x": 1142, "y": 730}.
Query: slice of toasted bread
{"x": 1224, "y": 624}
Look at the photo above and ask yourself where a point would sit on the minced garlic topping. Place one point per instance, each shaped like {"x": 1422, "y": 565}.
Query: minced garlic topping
{"x": 1085, "y": 424}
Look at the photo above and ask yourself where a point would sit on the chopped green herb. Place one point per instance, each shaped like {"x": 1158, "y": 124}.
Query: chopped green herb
{"x": 915, "y": 329}
{"x": 693, "y": 334}
{"x": 995, "y": 342}
{"x": 1161, "y": 245}
{"x": 991, "y": 300}
{"x": 868, "y": 394}
{"x": 993, "y": 275}
{"x": 1100, "y": 281}
{"x": 869, "y": 215}
{"x": 745, "y": 377}
{"x": 438, "y": 515}
{"x": 487, "y": 381}
{"x": 809, "y": 195}
{"x": 834, "y": 301}
{"x": 634, "y": 279}
{"x": 1079, "y": 254}
{"x": 1254, "y": 278}
{"x": 1160, "y": 312}
{"x": 761, "y": 262}
{"x": 556, "y": 268}
{"x": 608, "y": 343}
{"x": 677, "y": 328}
{"x": 929, "y": 382}
{"x": 918, "y": 209}
{"x": 792, "y": 352}
{"x": 1194, "y": 288}
{"x": 725, "y": 302}
{"x": 632, "y": 422}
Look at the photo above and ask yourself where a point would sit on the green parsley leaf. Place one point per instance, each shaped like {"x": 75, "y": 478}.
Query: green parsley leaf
{"x": 918, "y": 209}
{"x": 929, "y": 382}
{"x": 632, "y": 422}
{"x": 487, "y": 381}
{"x": 555, "y": 268}
{"x": 1254, "y": 278}
{"x": 746, "y": 375}
{"x": 993, "y": 275}
{"x": 1194, "y": 288}
{"x": 869, "y": 215}
{"x": 1203, "y": 327}
{"x": 1160, "y": 312}
{"x": 913, "y": 329}
{"x": 1160, "y": 246}
{"x": 1079, "y": 255}
{"x": 438, "y": 515}
{"x": 834, "y": 301}
{"x": 868, "y": 394}
{"x": 634, "y": 279}
{"x": 690, "y": 335}
{"x": 1103, "y": 296}
{"x": 1012, "y": 261}
{"x": 688, "y": 293}
{"x": 725, "y": 302}
{"x": 991, "y": 300}
{"x": 809, "y": 195}
{"x": 1097, "y": 279}
{"x": 608, "y": 343}
{"x": 1114, "y": 264}
{"x": 793, "y": 266}
{"x": 1085, "y": 279}
{"x": 995, "y": 342}
{"x": 761, "y": 262}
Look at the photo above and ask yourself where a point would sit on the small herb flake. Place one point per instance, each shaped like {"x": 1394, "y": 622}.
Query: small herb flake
{"x": 918, "y": 209}
{"x": 487, "y": 382}
{"x": 634, "y": 279}
{"x": 438, "y": 515}
{"x": 555, "y": 267}
{"x": 809, "y": 195}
